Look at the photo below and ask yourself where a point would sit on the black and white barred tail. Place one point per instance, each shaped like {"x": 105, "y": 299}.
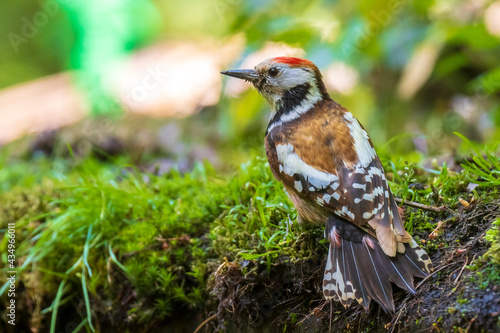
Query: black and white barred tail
{"x": 358, "y": 270}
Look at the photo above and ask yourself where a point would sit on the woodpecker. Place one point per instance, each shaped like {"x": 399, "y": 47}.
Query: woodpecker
{"x": 333, "y": 176}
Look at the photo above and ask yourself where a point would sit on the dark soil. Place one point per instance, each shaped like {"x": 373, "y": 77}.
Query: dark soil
{"x": 451, "y": 299}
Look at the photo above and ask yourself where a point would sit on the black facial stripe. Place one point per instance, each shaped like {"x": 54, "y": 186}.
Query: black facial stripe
{"x": 290, "y": 100}
{"x": 293, "y": 97}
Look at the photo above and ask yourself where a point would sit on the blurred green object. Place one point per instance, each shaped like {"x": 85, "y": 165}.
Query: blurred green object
{"x": 106, "y": 31}
{"x": 442, "y": 54}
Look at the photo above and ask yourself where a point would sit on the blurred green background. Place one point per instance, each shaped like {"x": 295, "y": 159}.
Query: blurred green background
{"x": 135, "y": 86}
{"x": 415, "y": 71}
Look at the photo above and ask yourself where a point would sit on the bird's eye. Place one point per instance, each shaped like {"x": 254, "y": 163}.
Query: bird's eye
{"x": 273, "y": 72}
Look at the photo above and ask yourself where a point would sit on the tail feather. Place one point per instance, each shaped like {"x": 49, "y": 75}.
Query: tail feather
{"x": 418, "y": 258}
{"x": 356, "y": 275}
{"x": 380, "y": 287}
{"x": 358, "y": 270}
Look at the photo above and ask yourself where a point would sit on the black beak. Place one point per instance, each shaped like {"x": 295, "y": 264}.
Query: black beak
{"x": 244, "y": 74}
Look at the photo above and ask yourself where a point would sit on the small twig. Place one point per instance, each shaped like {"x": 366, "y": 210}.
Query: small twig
{"x": 435, "y": 232}
{"x": 429, "y": 276}
{"x": 450, "y": 219}
{"x": 205, "y": 322}
{"x": 470, "y": 324}
{"x": 394, "y": 323}
{"x": 421, "y": 206}
{"x": 109, "y": 268}
{"x": 319, "y": 308}
{"x": 181, "y": 238}
{"x": 460, "y": 273}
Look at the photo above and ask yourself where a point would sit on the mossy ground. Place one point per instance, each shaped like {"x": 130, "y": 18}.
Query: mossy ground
{"x": 103, "y": 245}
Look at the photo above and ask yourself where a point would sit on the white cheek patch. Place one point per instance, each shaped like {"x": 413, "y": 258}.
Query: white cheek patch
{"x": 313, "y": 97}
{"x": 292, "y": 77}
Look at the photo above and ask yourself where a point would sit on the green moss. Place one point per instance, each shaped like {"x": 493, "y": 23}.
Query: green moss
{"x": 146, "y": 247}
{"x": 493, "y": 236}
{"x": 113, "y": 225}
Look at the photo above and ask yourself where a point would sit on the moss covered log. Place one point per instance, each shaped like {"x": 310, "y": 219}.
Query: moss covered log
{"x": 107, "y": 246}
